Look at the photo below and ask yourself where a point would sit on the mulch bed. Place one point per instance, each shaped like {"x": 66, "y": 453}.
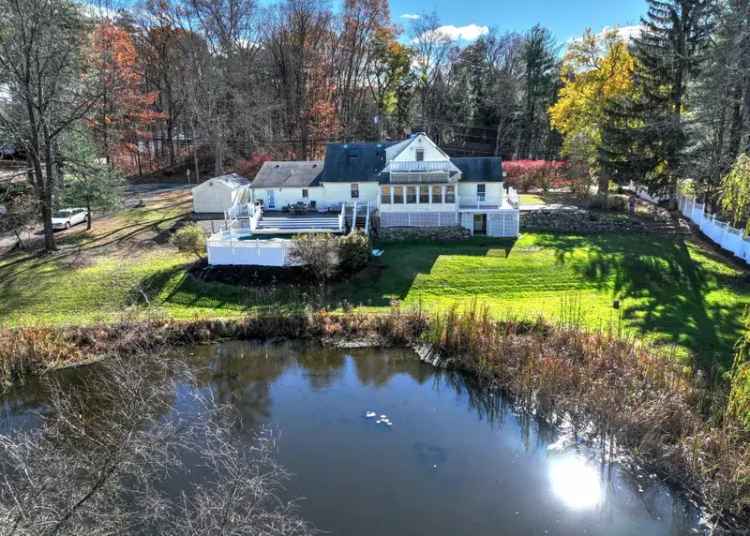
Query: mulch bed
{"x": 250, "y": 276}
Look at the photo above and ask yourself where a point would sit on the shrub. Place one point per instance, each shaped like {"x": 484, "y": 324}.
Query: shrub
{"x": 319, "y": 253}
{"x": 191, "y": 239}
{"x": 526, "y": 175}
{"x": 354, "y": 252}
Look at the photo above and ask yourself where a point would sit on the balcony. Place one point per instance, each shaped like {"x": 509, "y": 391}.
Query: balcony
{"x": 481, "y": 203}
{"x": 414, "y": 172}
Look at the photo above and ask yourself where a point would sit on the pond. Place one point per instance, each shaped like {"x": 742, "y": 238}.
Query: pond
{"x": 440, "y": 456}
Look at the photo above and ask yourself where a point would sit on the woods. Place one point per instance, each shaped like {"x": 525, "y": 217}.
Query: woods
{"x": 218, "y": 85}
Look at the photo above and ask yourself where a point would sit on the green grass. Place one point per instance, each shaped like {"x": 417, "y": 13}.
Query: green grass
{"x": 531, "y": 199}
{"x": 670, "y": 291}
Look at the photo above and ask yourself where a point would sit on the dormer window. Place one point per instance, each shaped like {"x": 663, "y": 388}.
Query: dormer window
{"x": 420, "y": 155}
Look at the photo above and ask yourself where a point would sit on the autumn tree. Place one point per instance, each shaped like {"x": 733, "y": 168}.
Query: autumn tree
{"x": 363, "y": 23}
{"x": 124, "y": 114}
{"x": 595, "y": 70}
{"x": 390, "y": 81}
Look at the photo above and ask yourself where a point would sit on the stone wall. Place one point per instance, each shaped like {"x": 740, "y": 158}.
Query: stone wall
{"x": 424, "y": 233}
{"x": 579, "y": 221}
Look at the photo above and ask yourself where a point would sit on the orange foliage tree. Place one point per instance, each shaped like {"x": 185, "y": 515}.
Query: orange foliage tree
{"x": 124, "y": 115}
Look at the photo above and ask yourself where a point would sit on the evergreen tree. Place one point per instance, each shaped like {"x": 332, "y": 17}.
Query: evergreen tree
{"x": 540, "y": 78}
{"x": 645, "y": 137}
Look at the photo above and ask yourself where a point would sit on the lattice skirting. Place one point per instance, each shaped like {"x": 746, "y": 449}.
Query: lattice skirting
{"x": 418, "y": 219}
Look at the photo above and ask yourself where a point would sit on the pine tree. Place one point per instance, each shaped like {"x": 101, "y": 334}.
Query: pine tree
{"x": 645, "y": 137}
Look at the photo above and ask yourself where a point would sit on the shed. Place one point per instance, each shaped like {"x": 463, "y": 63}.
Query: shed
{"x": 216, "y": 195}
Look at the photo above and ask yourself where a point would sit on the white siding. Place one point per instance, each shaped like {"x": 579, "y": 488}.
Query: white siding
{"x": 431, "y": 152}
{"x": 494, "y": 190}
{"x": 216, "y": 196}
{"x": 341, "y": 192}
{"x": 289, "y": 196}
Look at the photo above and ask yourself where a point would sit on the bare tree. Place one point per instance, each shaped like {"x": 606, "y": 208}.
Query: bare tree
{"x": 41, "y": 62}
{"x": 100, "y": 461}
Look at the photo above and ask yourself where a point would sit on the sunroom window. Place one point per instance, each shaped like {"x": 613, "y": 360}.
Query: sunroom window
{"x": 450, "y": 194}
{"x": 411, "y": 195}
{"x": 424, "y": 194}
{"x": 437, "y": 194}
{"x": 385, "y": 195}
{"x": 398, "y": 195}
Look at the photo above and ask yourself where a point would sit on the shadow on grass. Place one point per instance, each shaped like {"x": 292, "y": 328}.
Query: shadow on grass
{"x": 665, "y": 290}
{"x": 391, "y": 276}
{"x": 175, "y": 286}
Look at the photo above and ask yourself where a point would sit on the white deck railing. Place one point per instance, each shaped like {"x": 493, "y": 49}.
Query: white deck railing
{"x": 477, "y": 202}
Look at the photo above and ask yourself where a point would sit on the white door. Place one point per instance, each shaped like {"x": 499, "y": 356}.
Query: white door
{"x": 270, "y": 200}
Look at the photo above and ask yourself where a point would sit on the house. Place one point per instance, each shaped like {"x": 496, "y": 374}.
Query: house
{"x": 393, "y": 184}
{"x": 409, "y": 183}
{"x": 216, "y": 195}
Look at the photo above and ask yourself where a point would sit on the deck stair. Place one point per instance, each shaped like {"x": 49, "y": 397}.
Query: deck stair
{"x": 358, "y": 216}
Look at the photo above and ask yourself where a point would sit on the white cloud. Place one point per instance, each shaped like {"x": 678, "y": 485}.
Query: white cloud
{"x": 411, "y": 16}
{"x": 626, "y": 33}
{"x": 470, "y": 32}
{"x": 449, "y": 32}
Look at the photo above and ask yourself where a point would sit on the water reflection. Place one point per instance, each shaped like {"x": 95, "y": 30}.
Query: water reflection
{"x": 575, "y": 481}
{"x": 460, "y": 458}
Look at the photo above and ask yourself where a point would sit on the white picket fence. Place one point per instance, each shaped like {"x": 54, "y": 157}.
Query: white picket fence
{"x": 721, "y": 233}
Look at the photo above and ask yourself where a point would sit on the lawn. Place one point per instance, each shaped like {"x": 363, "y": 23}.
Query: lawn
{"x": 531, "y": 199}
{"x": 670, "y": 291}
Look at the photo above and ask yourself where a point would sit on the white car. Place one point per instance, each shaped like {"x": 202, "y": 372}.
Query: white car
{"x": 65, "y": 218}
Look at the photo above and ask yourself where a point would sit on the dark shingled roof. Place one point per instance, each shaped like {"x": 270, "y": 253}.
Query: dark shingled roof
{"x": 347, "y": 162}
{"x": 480, "y": 168}
{"x": 288, "y": 174}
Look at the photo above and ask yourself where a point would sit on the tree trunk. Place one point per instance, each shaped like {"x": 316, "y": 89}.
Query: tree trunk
{"x": 88, "y": 213}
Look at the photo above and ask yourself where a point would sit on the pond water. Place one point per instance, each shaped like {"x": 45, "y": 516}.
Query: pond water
{"x": 455, "y": 459}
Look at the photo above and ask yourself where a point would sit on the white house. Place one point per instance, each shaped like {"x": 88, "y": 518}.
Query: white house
{"x": 411, "y": 183}
{"x": 408, "y": 183}
{"x": 216, "y": 195}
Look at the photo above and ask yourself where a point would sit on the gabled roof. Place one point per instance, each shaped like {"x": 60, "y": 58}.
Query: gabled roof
{"x": 288, "y": 174}
{"x": 348, "y": 162}
{"x": 231, "y": 180}
{"x": 480, "y": 168}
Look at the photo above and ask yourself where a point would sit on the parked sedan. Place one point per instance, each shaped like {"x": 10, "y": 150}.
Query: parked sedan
{"x": 68, "y": 217}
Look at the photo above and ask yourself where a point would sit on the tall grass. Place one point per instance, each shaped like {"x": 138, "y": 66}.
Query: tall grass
{"x": 614, "y": 392}
{"x": 619, "y": 393}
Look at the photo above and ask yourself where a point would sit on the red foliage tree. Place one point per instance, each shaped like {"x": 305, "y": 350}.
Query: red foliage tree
{"x": 526, "y": 175}
{"x": 123, "y": 117}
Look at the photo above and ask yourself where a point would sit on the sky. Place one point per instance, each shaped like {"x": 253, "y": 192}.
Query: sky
{"x": 566, "y": 19}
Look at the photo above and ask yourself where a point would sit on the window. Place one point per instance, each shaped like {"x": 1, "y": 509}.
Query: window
{"x": 398, "y": 194}
{"x": 481, "y": 192}
{"x": 305, "y": 193}
{"x": 355, "y": 190}
{"x": 420, "y": 155}
{"x": 450, "y": 194}
{"x": 385, "y": 195}
{"x": 411, "y": 195}
{"x": 424, "y": 194}
{"x": 437, "y": 194}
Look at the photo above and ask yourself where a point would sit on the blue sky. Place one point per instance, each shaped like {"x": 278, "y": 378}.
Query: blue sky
{"x": 565, "y": 18}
